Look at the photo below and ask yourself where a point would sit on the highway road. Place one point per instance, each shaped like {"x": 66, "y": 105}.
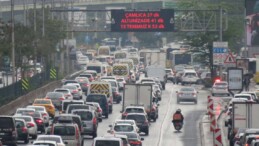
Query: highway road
{"x": 162, "y": 132}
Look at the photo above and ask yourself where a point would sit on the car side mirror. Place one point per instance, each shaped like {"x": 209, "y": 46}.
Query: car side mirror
{"x": 141, "y": 138}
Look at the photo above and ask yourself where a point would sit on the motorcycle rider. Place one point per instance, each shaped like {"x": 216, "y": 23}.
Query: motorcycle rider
{"x": 178, "y": 117}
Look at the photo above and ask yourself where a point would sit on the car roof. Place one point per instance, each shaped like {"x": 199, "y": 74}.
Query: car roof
{"x": 107, "y": 138}
{"x": 242, "y": 94}
{"x": 45, "y": 141}
{"x": 64, "y": 124}
{"x": 57, "y": 136}
{"x": 62, "y": 89}
{"x": 86, "y": 110}
{"x": 137, "y": 106}
{"x": 136, "y": 114}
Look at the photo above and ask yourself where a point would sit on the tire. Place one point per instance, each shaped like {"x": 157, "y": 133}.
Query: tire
{"x": 154, "y": 119}
{"x": 195, "y": 102}
{"x": 34, "y": 136}
{"x": 27, "y": 140}
{"x": 94, "y": 134}
{"x": 107, "y": 115}
{"x": 147, "y": 132}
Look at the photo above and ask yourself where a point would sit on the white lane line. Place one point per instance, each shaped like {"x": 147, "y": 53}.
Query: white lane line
{"x": 162, "y": 125}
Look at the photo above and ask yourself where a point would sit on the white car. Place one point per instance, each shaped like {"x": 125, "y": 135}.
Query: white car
{"x": 66, "y": 92}
{"x": 80, "y": 92}
{"x": 247, "y": 96}
{"x": 44, "y": 112}
{"x": 21, "y": 111}
{"x": 132, "y": 122}
{"x": 220, "y": 87}
{"x": 82, "y": 60}
{"x": 45, "y": 143}
{"x": 55, "y": 138}
{"x": 189, "y": 77}
{"x": 30, "y": 124}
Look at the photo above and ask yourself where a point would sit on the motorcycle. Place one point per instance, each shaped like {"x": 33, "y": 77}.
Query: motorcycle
{"x": 178, "y": 126}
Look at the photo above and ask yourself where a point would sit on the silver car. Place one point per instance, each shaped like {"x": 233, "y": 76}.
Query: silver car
{"x": 187, "y": 94}
{"x": 30, "y": 123}
{"x": 55, "y": 138}
{"x": 44, "y": 112}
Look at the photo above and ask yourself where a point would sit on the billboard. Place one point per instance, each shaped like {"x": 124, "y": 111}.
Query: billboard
{"x": 252, "y": 25}
{"x": 142, "y": 21}
{"x": 235, "y": 79}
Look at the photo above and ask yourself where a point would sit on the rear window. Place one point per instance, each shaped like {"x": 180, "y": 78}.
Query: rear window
{"x": 107, "y": 143}
{"x": 137, "y": 118}
{"x": 187, "y": 89}
{"x": 95, "y": 68}
{"x": 54, "y": 95}
{"x": 134, "y": 110}
{"x": 65, "y": 104}
{"x": 120, "y": 80}
{"x": 221, "y": 84}
{"x": 6, "y": 122}
{"x": 85, "y": 75}
{"x": 113, "y": 84}
{"x": 64, "y": 130}
{"x": 123, "y": 128}
{"x": 62, "y": 91}
{"x": 26, "y": 119}
{"x": 131, "y": 136}
{"x": 50, "y": 139}
{"x": 44, "y": 144}
{"x": 77, "y": 107}
{"x": 190, "y": 74}
{"x": 41, "y": 102}
{"x": 85, "y": 116}
{"x": 19, "y": 123}
{"x": 70, "y": 87}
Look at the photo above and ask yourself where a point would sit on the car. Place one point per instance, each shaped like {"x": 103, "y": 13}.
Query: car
{"x": 66, "y": 92}
{"x": 78, "y": 106}
{"x": 237, "y": 137}
{"x": 8, "y": 132}
{"x": 21, "y": 111}
{"x": 37, "y": 116}
{"x": 65, "y": 104}
{"x": 157, "y": 91}
{"x": 116, "y": 95}
{"x": 102, "y": 100}
{"x": 55, "y": 138}
{"x": 220, "y": 87}
{"x": 142, "y": 121}
{"x": 133, "y": 138}
{"x": 250, "y": 138}
{"x": 92, "y": 72}
{"x": 30, "y": 124}
{"x": 133, "y": 109}
{"x": 75, "y": 89}
{"x": 107, "y": 141}
{"x": 255, "y": 142}
{"x": 121, "y": 82}
{"x": 247, "y": 96}
{"x": 189, "y": 77}
{"x": 98, "y": 109}
{"x": 69, "y": 132}
{"x": 89, "y": 76}
{"x": 124, "y": 139}
{"x": 45, "y": 143}
{"x": 65, "y": 82}
{"x": 22, "y": 130}
{"x": 121, "y": 127}
{"x": 89, "y": 121}
{"x": 132, "y": 122}
{"x": 84, "y": 83}
{"x": 82, "y": 60}
{"x": 47, "y": 103}
{"x": 187, "y": 94}
{"x": 253, "y": 94}
{"x": 252, "y": 131}
{"x": 56, "y": 98}
{"x": 43, "y": 111}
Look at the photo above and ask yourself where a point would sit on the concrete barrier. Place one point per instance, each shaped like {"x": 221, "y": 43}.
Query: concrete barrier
{"x": 24, "y": 100}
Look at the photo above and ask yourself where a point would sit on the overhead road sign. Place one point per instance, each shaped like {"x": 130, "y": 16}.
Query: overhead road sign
{"x": 220, "y": 52}
{"x": 142, "y": 21}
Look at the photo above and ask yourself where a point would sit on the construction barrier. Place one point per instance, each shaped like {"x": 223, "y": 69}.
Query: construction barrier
{"x": 210, "y": 106}
{"x": 213, "y": 122}
{"x": 217, "y": 137}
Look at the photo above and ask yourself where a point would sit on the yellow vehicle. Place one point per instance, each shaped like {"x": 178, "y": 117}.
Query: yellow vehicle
{"x": 121, "y": 70}
{"x": 109, "y": 70}
{"x": 47, "y": 103}
{"x": 129, "y": 62}
{"x": 104, "y": 50}
{"x": 102, "y": 87}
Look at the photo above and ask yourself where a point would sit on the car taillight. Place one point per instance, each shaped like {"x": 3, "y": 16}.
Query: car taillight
{"x": 135, "y": 142}
{"x": 77, "y": 133}
{"x": 193, "y": 94}
{"x": 87, "y": 85}
{"x": 94, "y": 121}
{"x": 99, "y": 110}
{"x": 61, "y": 98}
{"x": 75, "y": 91}
{"x": 124, "y": 114}
{"x": 30, "y": 125}
{"x": 14, "y": 133}
{"x": 117, "y": 93}
{"x": 153, "y": 109}
{"x": 44, "y": 115}
{"x": 39, "y": 121}
{"x": 24, "y": 129}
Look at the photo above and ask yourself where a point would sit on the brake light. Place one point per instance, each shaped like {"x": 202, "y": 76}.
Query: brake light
{"x": 194, "y": 94}
{"x": 87, "y": 85}
{"x": 24, "y": 129}
{"x": 30, "y": 125}
{"x": 75, "y": 91}
{"x": 61, "y": 98}
{"x": 39, "y": 121}
{"x": 77, "y": 133}
{"x": 117, "y": 93}
{"x": 14, "y": 133}
{"x": 124, "y": 114}
{"x": 44, "y": 115}
{"x": 135, "y": 142}
{"x": 94, "y": 121}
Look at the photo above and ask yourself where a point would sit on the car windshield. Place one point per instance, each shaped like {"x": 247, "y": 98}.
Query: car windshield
{"x": 137, "y": 118}
{"x": 71, "y": 87}
{"x": 107, "y": 143}
{"x": 62, "y": 91}
{"x": 64, "y": 130}
{"x": 95, "y": 68}
{"x": 44, "y": 144}
{"x": 243, "y": 96}
{"x": 49, "y": 138}
{"x": 41, "y": 102}
{"x": 26, "y": 119}
{"x": 85, "y": 115}
{"x": 187, "y": 89}
{"x": 134, "y": 110}
{"x": 123, "y": 128}
{"x": 221, "y": 84}
{"x": 54, "y": 95}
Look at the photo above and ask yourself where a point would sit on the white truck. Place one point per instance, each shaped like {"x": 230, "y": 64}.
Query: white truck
{"x": 157, "y": 72}
{"x": 137, "y": 94}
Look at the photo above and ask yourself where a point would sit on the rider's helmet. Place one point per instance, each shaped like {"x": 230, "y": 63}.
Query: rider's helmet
{"x": 178, "y": 110}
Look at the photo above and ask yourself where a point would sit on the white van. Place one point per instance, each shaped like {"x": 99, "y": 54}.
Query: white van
{"x": 98, "y": 67}
{"x": 104, "y": 50}
{"x": 189, "y": 77}
{"x": 107, "y": 141}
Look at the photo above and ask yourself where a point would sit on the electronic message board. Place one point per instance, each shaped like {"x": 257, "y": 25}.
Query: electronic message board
{"x": 142, "y": 21}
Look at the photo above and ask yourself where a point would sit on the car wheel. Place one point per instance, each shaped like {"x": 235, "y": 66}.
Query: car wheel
{"x": 154, "y": 119}
{"x": 34, "y": 136}
{"x": 100, "y": 120}
{"x": 94, "y": 134}
{"x": 107, "y": 116}
{"x": 195, "y": 101}
{"x": 27, "y": 140}
{"x": 147, "y": 132}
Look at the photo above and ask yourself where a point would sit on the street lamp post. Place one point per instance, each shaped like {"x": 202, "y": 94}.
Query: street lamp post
{"x": 12, "y": 44}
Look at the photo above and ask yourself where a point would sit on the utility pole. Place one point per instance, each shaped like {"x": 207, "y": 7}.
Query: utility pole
{"x": 67, "y": 47}
{"x": 12, "y": 45}
{"x": 220, "y": 35}
{"x": 24, "y": 13}
{"x": 43, "y": 18}
{"x": 35, "y": 32}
